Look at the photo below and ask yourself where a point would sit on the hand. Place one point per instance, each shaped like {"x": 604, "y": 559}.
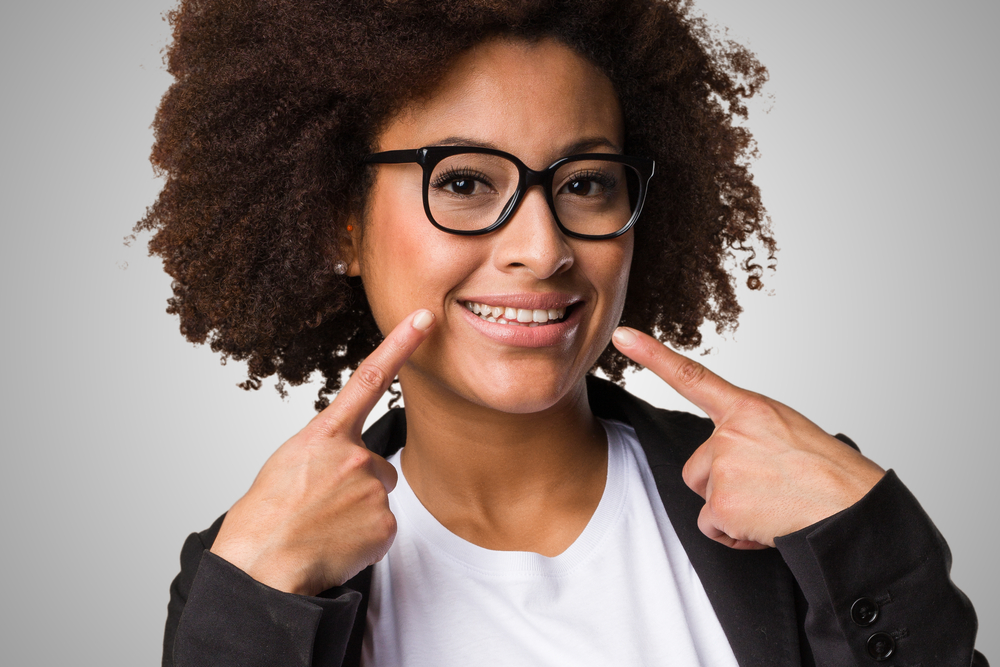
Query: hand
{"x": 318, "y": 512}
{"x": 766, "y": 471}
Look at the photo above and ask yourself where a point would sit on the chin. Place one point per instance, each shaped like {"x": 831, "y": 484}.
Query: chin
{"x": 524, "y": 394}
{"x": 515, "y": 403}
{"x": 505, "y": 385}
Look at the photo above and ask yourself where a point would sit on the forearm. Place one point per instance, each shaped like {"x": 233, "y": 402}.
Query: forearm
{"x": 221, "y": 616}
{"x": 885, "y": 552}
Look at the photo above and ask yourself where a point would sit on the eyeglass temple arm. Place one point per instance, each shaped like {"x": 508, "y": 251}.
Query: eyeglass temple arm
{"x": 395, "y": 157}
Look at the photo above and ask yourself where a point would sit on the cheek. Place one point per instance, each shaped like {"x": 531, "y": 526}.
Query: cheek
{"x": 407, "y": 263}
{"x": 624, "y": 266}
{"x": 611, "y": 270}
{"x": 390, "y": 256}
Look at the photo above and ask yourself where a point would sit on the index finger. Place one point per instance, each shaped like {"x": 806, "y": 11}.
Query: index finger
{"x": 373, "y": 377}
{"x": 687, "y": 377}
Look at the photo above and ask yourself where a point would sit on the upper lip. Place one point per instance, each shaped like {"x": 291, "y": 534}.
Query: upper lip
{"x": 526, "y": 300}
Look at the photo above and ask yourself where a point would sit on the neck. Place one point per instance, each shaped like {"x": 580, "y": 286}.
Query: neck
{"x": 499, "y": 479}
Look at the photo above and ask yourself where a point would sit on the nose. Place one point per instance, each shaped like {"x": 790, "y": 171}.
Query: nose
{"x": 531, "y": 240}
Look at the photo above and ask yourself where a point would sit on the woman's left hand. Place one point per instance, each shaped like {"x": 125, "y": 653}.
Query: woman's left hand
{"x": 766, "y": 471}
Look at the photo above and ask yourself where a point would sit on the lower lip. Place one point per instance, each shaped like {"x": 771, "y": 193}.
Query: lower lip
{"x": 544, "y": 335}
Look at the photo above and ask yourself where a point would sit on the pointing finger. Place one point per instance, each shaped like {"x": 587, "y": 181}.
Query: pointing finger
{"x": 687, "y": 377}
{"x": 373, "y": 377}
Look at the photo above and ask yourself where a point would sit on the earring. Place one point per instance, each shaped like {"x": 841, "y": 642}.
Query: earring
{"x": 340, "y": 267}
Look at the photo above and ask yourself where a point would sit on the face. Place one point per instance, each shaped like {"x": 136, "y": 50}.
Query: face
{"x": 540, "y": 102}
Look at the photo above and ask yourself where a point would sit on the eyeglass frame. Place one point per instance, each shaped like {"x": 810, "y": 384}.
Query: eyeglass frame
{"x": 429, "y": 157}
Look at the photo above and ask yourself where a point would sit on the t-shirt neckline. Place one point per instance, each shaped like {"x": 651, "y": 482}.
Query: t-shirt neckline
{"x": 488, "y": 561}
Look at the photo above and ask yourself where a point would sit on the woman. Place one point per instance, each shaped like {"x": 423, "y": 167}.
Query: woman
{"x": 336, "y": 173}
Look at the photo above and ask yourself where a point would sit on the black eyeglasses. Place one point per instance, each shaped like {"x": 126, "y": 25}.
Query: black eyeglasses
{"x": 469, "y": 190}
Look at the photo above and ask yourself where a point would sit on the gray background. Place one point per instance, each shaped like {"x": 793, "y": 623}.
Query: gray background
{"x": 878, "y": 167}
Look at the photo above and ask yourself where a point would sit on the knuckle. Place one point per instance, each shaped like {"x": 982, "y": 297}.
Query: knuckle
{"x": 370, "y": 495}
{"x": 687, "y": 473}
{"x": 372, "y": 377}
{"x": 394, "y": 346}
{"x": 724, "y": 504}
{"x": 357, "y": 459}
{"x": 375, "y": 490}
{"x": 755, "y": 405}
{"x": 691, "y": 373}
{"x": 722, "y": 470}
{"x": 693, "y": 474}
{"x": 330, "y": 422}
{"x": 385, "y": 526}
{"x": 729, "y": 438}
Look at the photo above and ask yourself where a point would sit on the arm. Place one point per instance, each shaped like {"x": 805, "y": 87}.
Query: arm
{"x": 218, "y": 615}
{"x": 265, "y": 584}
{"x": 851, "y": 530}
{"x": 876, "y": 578}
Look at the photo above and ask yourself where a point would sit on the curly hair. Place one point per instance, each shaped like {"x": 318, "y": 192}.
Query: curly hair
{"x": 276, "y": 102}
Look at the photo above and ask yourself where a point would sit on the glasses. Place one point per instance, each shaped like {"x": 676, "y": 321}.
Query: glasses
{"x": 470, "y": 191}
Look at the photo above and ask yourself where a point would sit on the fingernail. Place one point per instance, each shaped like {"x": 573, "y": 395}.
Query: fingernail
{"x": 624, "y": 336}
{"x": 423, "y": 320}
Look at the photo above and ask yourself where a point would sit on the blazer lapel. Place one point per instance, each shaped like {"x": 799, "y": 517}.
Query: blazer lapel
{"x": 752, "y": 592}
{"x": 385, "y": 437}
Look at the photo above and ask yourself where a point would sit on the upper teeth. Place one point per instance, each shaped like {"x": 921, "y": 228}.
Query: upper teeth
{"x": 509, "y": 315}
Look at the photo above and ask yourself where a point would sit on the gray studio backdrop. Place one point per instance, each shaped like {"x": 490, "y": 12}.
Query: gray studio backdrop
{"x": 879, "y": 169}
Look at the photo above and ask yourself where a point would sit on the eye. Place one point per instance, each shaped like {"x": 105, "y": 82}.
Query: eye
{"x": 588, "y": 184}
{"x": 582, "y": 187}
{"x": 461, "y": 186}
{"x": 462, "y": 183}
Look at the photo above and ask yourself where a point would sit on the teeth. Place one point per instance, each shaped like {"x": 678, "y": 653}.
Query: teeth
{"x": 516, "y": 316}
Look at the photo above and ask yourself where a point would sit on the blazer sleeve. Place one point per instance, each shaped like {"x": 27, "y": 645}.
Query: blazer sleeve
{"x": 876, "y": 579}
{"x": 220, "y": 616}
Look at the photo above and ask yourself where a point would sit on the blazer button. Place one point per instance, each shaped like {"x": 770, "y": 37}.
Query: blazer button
{"x": 881, "y": 646}
{"x": 864, "y": 611}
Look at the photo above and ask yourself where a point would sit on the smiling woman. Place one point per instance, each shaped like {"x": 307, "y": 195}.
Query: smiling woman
{"x": 541, "y": 102}
{"x": 483, "y": 206}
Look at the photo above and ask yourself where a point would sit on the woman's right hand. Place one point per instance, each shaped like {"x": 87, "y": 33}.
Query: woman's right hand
{"x": 318, "y": 512}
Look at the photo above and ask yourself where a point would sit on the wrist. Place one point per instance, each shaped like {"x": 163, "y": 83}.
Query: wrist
{"x": 277, "y": 570}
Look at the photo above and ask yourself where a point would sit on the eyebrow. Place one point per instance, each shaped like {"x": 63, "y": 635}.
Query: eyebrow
{"x": 581, "y": 146}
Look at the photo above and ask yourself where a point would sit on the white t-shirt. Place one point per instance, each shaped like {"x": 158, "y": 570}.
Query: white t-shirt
{"x": 624, "y": 593}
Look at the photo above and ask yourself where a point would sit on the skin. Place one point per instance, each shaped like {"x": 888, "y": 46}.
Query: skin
{"x": 766, "y": 471}
{"x": 538, "y": 451}
{"x": 535, "y": 470}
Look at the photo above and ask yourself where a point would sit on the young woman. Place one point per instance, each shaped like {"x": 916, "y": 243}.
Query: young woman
{"x": 496, "y": 187}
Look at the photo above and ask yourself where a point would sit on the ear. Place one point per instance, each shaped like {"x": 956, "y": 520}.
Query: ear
{"x": 350, "y": 247}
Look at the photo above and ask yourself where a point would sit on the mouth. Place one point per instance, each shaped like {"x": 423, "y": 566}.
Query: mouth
{"x": 518, "y": 317}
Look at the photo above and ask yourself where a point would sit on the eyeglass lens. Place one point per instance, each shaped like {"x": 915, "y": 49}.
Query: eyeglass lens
{"x": 470, "y": 191}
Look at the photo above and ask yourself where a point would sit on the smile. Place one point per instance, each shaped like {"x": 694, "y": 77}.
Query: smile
{"x": 524, "y": 317}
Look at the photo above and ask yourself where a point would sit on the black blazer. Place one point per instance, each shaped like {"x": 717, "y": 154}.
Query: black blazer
{"x": 868, "y": 584}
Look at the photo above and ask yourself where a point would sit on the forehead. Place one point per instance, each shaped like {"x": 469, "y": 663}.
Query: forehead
{"x": 534, "y": 99}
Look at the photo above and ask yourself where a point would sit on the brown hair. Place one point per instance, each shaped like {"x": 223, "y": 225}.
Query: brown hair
{"x": 275, "y": 103}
